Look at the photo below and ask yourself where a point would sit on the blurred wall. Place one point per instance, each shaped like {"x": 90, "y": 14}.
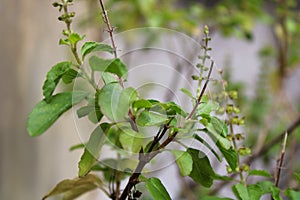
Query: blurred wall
{"x": 29, "y": 47}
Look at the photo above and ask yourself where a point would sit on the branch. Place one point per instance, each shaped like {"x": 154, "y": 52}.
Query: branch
{"x": 202, "y": 92}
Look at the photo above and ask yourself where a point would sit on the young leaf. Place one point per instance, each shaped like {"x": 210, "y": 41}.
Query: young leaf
{"x": 148, "y": 118}
{"x": 76, "y": 187}
{"x": 259, "y": 173}
{"x": 115, "y": 66}
{"x": 53, "y": 77}
{"x": 187, "y": 92}
{"x": 89, "y": 47}
{"x": 131, "y": 141}
{"x": 157, "y": 189}
{"x": 241, "y": 192}
{"x": 92, "y": 149}
{"x": 74, "y": 38}
{"x": 45, "y": 114}
{"x": 184, "y": 162}
{"x": 114, "y": 101}
{"x": 202, "y": 171}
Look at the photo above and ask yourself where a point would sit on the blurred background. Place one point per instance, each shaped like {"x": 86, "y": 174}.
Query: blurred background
{"x": 255, "y": 42}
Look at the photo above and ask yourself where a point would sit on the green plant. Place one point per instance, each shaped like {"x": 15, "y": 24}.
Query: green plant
{"x": 123, "y": 119}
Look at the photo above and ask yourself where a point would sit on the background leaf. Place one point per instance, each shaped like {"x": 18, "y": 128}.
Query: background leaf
{"x": 157, "y": 189}
{"x": 45, "y": 114}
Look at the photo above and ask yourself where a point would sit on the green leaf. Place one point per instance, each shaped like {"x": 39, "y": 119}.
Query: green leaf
{"x": 292, "y": 194}
{"x": 256, "y": 172}
{"x": 207, "y": 107}
{"x": 95, "y": 116}
{"x": 230, "y": 155}
{"x": 240, "y": 191}
{"x": 45, "y": 114}
{"x": 157, "y": 189}
{"x": 108, "y": 78}
{"x": 187, "y": 92}
{"x": 64, "y": 42}
{"x": 115, "y": 66}
{"x": 275, "y": 193}
{"x": 115, "y": 102}
{"x": 141, "y": 103}
{"x": 89, "y": 47}
{"x": 74, "y": 38}
{"x": 173, "y": 109}
{"x": 92, "y": 150}
{"x": 213, "y": 198}
{"x": 69, "y": 76}
{"x": 148, "y": 118}
{"x": 75, "y": 187}
{"x": 216, "y": 136}
{"x": 259, "y": 189}
{"x": 197, "y": 137}
{"x": 297, "y": 176}
{"x": 77, "y": 146}
{"x": 219, "y": 126}
{"x": 53, "y": 77}
{"x": 202, "y": 171}
{"x": 184, "y": 162}
{"x": 131, "y": 141}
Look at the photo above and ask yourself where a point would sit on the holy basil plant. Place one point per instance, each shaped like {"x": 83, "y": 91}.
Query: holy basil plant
{"x": 123, "y": 120}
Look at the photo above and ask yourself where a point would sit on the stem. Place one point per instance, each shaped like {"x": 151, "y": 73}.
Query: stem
{"x": 282, "y": 43}
{"x": 236, "y": 148}
{"x": 202, "y": 93}
{"x": 143, "y": 160}
{"x": 110, "y": 30}
{"x": 280, "y": 163}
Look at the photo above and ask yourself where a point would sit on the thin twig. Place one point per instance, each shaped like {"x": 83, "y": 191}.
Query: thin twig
{"x": 202, "y": 93}
{"x": 280, "y": 162}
